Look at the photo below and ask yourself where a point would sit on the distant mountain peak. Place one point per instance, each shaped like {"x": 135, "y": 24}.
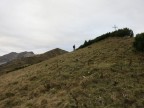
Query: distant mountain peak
{"x": 23, "y": 59}
{"x": 13, "y": 55}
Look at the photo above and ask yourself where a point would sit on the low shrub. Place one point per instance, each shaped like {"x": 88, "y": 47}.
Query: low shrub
{"x": 125, "y": 32}
{"x": 139, "y": 42}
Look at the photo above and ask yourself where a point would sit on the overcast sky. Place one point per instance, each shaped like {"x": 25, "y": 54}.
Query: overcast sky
{"x": 42, "y": 25}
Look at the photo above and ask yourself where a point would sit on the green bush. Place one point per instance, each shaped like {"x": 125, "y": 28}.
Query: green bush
{"x": 139, "y": 42}
{"x": 118, "y": 33}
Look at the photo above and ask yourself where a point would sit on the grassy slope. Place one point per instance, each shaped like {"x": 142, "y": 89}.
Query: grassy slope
{"x": 108, "y": 74}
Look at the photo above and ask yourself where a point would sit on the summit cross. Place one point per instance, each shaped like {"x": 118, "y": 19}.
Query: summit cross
{"x": 115, "y": 27}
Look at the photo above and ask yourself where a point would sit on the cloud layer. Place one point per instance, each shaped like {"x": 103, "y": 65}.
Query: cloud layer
{"x": 41, "y": 25}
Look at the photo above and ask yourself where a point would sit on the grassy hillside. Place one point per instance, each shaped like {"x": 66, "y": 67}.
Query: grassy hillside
{"x": 125, "y": 32}
{"x": 27, "y": 61}
{"x": 107, "y": 74}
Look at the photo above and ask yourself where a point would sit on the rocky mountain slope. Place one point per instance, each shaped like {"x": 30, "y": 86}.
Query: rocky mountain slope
{"x": 13, "y": 55}
{"x": 107, "y": 74}
{"x": 22, "y": 62}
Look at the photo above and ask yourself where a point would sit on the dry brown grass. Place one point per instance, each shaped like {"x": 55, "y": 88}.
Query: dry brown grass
{"x": 107, "y": 74}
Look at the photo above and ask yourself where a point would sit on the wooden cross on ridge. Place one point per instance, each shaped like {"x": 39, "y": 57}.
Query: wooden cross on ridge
{"x": 115, "y": 27}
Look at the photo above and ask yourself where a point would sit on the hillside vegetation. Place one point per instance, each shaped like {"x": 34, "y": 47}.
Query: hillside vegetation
{"x": 139, "y": 42}
{"x": 107, "y": 74}
{"x": 125, "y": 32}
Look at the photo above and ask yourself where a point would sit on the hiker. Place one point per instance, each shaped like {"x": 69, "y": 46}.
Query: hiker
{"x": 74, "y": 47}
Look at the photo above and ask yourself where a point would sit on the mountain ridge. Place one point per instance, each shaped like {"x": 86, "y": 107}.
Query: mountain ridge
{"x": 23, "y": 62}
{"x": 13, "y": 55}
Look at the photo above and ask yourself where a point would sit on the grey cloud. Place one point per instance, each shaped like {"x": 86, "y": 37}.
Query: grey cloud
{"x": 41, "y": 25}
